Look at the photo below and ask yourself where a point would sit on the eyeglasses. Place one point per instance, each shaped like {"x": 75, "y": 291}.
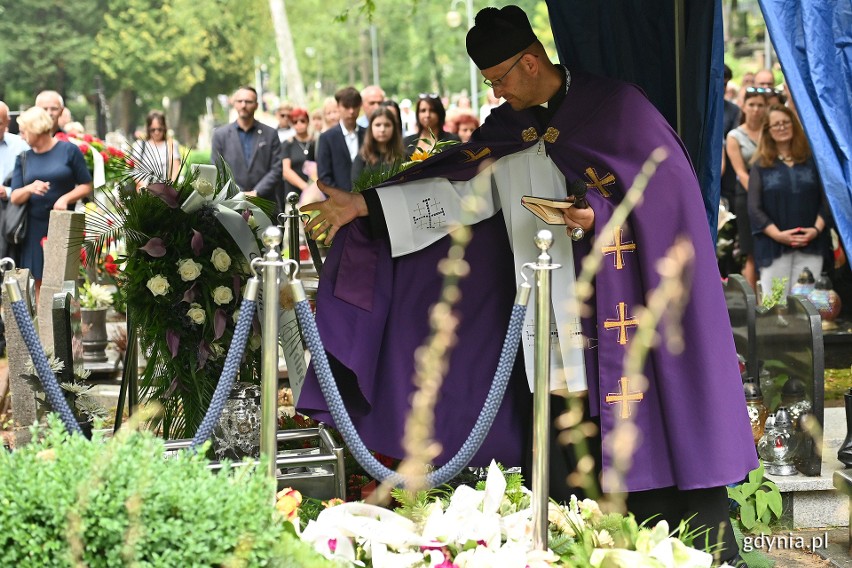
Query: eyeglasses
{"x": 429, "y": 95}
{"x": 782, "y": 125}
{"x": 498, "y": 82}
{"x": 156, "y": 130}
{"x": 298, "y": 120}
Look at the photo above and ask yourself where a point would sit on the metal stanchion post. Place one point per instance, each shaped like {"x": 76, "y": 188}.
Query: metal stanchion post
{"x": 293, "y": 225}
{"x": 541, "y": 387}
{"x": 272, "y": 238}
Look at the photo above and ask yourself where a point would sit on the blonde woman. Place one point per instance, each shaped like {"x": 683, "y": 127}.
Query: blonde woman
{"x": 52, "y": 175}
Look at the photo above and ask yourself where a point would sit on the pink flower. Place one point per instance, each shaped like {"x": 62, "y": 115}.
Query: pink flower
{"x": 83, "y": 148}
{"x": 88, "y": 137}
{"x": 332, "y": 544}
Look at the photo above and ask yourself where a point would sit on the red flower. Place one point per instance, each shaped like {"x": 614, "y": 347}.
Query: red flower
{"x": 110, "y": 266}
{"x": 83, "y": 148}
{"x": 113, "y": 151}
{"x": 88, "y": 137}
{"x": 83, "y": 256}
{"x": 105, "y": 156}
{"x": 130, "y": 163}
{"x": 61, "y": 136}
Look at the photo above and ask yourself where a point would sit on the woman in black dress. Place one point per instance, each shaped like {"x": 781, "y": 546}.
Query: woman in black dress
{"x": 299, "y": 165}
{"x": 431, "y": 116}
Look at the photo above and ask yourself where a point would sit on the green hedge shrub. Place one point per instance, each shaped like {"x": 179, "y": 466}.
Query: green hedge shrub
{"x": 65, "y": 501}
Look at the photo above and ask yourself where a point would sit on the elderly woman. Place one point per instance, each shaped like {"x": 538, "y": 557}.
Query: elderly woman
{"x": 52, "y": 175}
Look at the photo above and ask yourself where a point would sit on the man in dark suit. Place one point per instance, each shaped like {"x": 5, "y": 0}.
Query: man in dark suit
{"x": 338, "y": 146}
{"x": 250, "y": 149}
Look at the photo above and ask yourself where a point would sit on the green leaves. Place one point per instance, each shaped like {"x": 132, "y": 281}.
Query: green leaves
{"x": 126, "y": 504}
{"x": 759, "y": 501}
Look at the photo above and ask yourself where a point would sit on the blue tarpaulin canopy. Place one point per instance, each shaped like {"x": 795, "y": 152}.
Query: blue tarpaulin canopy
{"x": 674, "y": 51}
{"x": 813, "y": 40}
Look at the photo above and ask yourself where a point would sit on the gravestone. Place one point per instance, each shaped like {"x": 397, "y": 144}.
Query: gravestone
{"x": 61, "y": 263}
{"x": 789, "y": 341}
{"x": 22, "y": 391}
{"x": 741, "y": 301}
{"x": 67, "y": 331}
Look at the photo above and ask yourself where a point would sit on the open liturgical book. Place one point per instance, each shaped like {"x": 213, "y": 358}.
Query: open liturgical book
{"x": 548, "y": 210}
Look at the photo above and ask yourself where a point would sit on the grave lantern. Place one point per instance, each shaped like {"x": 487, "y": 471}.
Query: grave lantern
{"x": 778, "y": 446}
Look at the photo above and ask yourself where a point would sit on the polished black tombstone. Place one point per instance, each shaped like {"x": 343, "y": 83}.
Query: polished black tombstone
{"x": 741, "y": 301}
{"x": 789, "y": 341}
{"x": 66, "y": 332}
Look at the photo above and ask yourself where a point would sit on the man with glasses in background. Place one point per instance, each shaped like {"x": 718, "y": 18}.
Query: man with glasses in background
{"x": 52, "y": 102}
{"x": 567, "y": 136}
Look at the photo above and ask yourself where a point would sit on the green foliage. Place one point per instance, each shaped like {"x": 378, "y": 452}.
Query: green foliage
{"x": 121, "y": 502}
{"x": 776, "y": 295}
{"x": 47, "y": 44}
{"x": 759, "y": 501}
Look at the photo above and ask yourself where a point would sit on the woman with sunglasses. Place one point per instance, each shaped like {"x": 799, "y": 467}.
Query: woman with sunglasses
{"x": 786, "y": 202}
{"x": 299, "y": 165}
{"x": 740, "y": 146}
{"x": 431, "y": 116}
{"x": 156, "y": 154}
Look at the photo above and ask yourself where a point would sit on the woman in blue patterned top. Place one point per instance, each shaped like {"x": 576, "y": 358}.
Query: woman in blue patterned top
{"x": 52, "y": 176}
{"x": 786, "y": 202}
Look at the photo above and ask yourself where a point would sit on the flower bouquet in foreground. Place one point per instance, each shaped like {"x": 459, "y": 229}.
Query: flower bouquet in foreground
{"x": 488, "y": 526}
{"x": 186, "y": 259}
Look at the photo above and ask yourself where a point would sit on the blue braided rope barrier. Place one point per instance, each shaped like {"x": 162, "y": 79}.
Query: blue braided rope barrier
{"x": 51, "y": 387}
{"x": 229, "y": 373}
{"x": 350, "y": 435}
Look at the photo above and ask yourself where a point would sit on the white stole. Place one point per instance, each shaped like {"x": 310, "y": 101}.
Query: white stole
{"x": 421, "y": 212}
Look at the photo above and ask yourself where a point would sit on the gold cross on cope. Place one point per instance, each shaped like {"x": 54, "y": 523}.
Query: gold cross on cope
{"x": 622, "y": 323}
{"x": 617, "y": 248}
{"x": 599, "y": 183}
{"x": 624, "y": 396}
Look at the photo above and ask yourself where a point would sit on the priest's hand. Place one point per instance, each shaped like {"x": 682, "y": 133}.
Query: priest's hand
{"x": 340, "y": 208}
{"x": 582, "y": 217}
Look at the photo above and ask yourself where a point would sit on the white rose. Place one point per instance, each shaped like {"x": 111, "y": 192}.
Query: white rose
{"x": 221, "y": 260}
{"x": 158, "y": 285}
{"x": 236, "y": 314}
{"x": 222, "y": 295}
{"x": 196, "y": 313}
{"x": 252, "y": 222}
{"x": 203, "y": 187}
{"x": 188, "y": 269}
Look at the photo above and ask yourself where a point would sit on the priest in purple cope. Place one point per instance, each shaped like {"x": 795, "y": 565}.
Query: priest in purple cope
{"x": 373, "y": 300}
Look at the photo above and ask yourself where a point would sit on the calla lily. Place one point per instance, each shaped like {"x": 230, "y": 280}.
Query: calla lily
{"x": 165, "y": 192}
{"x": 219, "y": 321}
{"x": 155, "y": 247}
{"x": 197, "y": 242}
{"x": 173, "y": 341}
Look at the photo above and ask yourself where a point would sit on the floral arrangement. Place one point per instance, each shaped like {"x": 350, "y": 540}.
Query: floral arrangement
{"x": 95, "y": 296}
{"x": 111, "y": 159}
{"x": 488, "y": 526}
{"x": 185, "y": 263}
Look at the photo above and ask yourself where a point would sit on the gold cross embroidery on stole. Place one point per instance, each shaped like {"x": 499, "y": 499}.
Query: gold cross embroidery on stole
{"x": 622, "y": 323}
{"x": 617, "y": 248}
{"x": 596, "y": 182}
{"x": 624, "y": 397}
